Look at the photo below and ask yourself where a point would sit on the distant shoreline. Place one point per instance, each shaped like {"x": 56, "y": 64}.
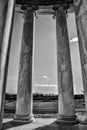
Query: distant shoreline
{"x": 44, "y": 97}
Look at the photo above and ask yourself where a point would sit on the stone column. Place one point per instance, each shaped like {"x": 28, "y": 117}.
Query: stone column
{"x": 81, "y": 22}
{"x": 65, "y": 80}
{"x": 6, "y": 22}
{"x": 24, "y": 94}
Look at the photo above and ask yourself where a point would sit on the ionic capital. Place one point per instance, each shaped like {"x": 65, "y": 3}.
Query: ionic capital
{"x": 63, "y": 7}
{"x": 25, "y": 7}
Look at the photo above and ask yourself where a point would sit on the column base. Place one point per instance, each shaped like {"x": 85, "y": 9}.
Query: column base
{"x": 83, "y": 122}
{"x": 67, "y": 120}
{"x": 79, "y": 127}
{"x": 24, "y": 118}
{"x": 82, "y": 125}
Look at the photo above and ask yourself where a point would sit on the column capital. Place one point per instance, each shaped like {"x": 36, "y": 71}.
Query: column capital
{"x": 25, "y": 7}
{"x": 60, "y": 8}
{"x": 64, "y": 7}
{"x": 30, "y": 8}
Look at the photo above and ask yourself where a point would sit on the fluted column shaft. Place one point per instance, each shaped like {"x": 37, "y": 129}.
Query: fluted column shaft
{"x": 65, "y": 80}
{"x": 81, "y": 24}
{"x": 6, "y": 22}
{"x": 24, "y": 94}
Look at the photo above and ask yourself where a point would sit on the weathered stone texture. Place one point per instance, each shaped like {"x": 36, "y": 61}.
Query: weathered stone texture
{"x": 81, "y": 22}
{"x": 6, "y": 22}
{"x": 24, "y": 95}
{"x": 3, "y": 9}
{"x": 65, "y": 80}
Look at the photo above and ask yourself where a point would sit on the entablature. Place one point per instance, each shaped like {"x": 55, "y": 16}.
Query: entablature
{"x": 43, "y": 2}
{"x": 46, "y": 6}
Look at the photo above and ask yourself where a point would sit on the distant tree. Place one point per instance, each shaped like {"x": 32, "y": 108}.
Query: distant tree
{"x": 45, "y": 97}
{"x": 10, "y": 97}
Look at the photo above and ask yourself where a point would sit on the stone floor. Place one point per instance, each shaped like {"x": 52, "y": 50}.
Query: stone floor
{"x": 42, "y": 124}
{"x": 38, "y": 124}
{"x": 8, "y": 124}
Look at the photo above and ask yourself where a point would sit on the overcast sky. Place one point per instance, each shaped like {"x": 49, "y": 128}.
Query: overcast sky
{"x": 45, "y": 58}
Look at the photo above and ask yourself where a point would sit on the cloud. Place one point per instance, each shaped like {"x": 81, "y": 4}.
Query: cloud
{"x": 45, "y": 85}
{"x": 75, "y": 39}
{"x": 45, "y": 77}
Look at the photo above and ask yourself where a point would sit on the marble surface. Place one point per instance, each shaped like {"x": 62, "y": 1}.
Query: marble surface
{"x": 81, "y": 22}
{"x": 65, "y": 79}
{"x": 24, "y": 95}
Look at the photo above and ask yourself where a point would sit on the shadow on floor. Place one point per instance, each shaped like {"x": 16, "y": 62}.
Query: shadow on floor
{"x": 11, "y": 124}
{"x": 54, "y": 126}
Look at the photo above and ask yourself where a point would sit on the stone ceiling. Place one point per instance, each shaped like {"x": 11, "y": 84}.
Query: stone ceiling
{"x": 45, "y": 6}
{"x": 44, "y": 2}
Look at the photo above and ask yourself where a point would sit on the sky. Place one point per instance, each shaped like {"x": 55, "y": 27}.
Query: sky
{"x": 45, "y": 56}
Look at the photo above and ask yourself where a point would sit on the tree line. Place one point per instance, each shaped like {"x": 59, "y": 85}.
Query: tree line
{"x": 44, "y": 97}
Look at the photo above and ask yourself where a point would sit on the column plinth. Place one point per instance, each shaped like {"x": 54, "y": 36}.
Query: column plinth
{"x": 24, "y": 118}
{"x": 66, "y": 105}
{"x": 24, "y": 105}
{"x": 81, "y": 24}
{"x": 67, "y": 120}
